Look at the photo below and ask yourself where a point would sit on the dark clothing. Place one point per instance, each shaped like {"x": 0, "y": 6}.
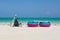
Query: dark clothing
{"x": 16, "y": 23}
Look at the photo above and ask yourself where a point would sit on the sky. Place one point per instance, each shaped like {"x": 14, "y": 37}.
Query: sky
{"x": 30, "y": 8}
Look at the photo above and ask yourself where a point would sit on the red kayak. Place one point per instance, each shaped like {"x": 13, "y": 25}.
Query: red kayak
{"x": 32, "y": 24}
{"x": 44, "y": 24}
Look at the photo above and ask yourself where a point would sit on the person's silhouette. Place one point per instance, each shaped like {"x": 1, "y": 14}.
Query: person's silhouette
{"x": 16, "y": 23}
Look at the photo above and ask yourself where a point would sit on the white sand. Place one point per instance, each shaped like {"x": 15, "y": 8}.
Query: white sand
{"x": 28, "y": 33}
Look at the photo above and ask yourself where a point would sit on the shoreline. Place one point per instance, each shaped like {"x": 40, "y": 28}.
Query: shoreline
{"x": 24, "y": 23}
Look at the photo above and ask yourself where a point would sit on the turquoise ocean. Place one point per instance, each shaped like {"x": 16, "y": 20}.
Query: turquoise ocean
{"x": 30, "y": 19}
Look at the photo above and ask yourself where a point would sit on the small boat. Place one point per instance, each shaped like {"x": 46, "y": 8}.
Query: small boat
{"x": 45, "y": 24}
{"x": 32, "y": 24}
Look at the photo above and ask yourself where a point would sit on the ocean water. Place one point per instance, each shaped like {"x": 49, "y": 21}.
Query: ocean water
{"x": 30, "y": 19}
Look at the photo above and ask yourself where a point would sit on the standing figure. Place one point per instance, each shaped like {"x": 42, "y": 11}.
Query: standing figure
{"x": 16, "y": 23}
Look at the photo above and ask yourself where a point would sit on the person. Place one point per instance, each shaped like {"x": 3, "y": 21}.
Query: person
{"x": 16, "y": 23}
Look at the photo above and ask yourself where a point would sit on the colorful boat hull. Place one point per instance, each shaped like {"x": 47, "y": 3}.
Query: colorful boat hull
{"x": 44, "y": 24}
{"x": 32, "y": 24}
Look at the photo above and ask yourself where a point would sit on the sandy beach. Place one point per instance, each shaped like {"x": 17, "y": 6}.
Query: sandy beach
{"x": 8, "y": 32}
